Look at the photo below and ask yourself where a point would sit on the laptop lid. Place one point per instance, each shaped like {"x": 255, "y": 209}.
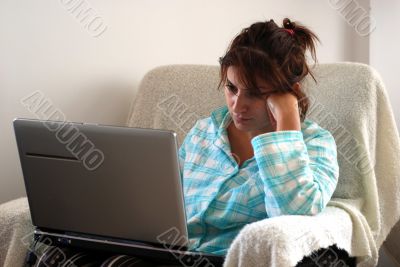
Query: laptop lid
{"x": 103, "y": 180}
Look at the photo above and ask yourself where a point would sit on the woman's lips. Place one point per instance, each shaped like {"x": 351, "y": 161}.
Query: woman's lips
{"x": 241, "y": 119}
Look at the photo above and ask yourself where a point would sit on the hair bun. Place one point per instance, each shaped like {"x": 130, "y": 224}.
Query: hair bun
{"x": 287, "y": 24}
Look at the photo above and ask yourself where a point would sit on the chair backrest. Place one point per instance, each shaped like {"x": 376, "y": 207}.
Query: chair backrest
{"x": 173, "y": 97}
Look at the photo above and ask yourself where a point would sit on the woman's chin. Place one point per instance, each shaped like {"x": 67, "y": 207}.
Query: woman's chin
{"x": 243, "y": 126}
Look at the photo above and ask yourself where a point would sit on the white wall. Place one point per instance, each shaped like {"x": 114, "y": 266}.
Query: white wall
{"x": 384, "y": 48}
{"x": 44, "y": 47}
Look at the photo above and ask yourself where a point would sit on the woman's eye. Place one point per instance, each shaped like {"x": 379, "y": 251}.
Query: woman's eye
{"x": 254, "y": 95}
{"x": 231, "y": 88}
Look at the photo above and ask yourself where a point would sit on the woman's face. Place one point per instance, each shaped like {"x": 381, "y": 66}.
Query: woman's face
{"x": 249, "y": 111}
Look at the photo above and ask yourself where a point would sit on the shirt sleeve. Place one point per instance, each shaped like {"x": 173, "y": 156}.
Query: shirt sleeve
{"x": 299, "y": 176}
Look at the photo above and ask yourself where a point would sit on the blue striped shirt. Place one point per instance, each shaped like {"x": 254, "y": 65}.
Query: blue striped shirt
{"x": 291, "y": 172}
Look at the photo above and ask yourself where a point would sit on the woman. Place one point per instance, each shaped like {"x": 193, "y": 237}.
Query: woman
{"x": 257, "y": 157}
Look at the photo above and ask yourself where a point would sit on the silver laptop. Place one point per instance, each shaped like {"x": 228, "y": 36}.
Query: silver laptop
{"x": 108, "y": 187}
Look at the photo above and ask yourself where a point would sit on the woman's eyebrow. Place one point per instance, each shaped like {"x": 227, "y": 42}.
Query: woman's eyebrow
{"x": 260, "y": 87}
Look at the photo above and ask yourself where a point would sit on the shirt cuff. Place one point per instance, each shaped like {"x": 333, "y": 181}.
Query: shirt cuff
{"x": 275, "y": 137}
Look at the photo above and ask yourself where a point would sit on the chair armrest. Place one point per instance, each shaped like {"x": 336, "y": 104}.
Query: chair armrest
{"x": 286, "y": 240}
{"x": 16, "y": 231}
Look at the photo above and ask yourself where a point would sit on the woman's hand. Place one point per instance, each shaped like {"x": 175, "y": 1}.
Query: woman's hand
{"x": 284, "y": 112}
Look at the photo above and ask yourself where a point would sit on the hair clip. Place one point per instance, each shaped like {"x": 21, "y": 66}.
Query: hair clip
{"x": 290, "y": 31}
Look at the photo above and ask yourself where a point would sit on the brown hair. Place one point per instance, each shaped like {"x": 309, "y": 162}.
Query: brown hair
{"x": 274, "y": 54}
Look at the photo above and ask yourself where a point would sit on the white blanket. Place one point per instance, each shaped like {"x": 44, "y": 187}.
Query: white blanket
{"x": 366, "y": 203}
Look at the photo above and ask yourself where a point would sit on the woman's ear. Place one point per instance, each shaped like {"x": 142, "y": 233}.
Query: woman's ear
{"x": 296, "y": 87}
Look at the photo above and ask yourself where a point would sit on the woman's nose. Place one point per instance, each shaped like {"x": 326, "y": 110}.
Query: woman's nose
{"x": 240, "y": 104}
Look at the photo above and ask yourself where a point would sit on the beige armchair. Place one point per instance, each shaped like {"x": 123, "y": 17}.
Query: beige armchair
{"x": 349, "y": 100}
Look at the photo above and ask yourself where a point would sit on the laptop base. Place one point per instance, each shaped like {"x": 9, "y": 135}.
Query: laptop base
{"x": 156, "y": 254}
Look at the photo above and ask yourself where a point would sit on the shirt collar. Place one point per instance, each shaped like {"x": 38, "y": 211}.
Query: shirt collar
{"x": 221, "y": 118}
